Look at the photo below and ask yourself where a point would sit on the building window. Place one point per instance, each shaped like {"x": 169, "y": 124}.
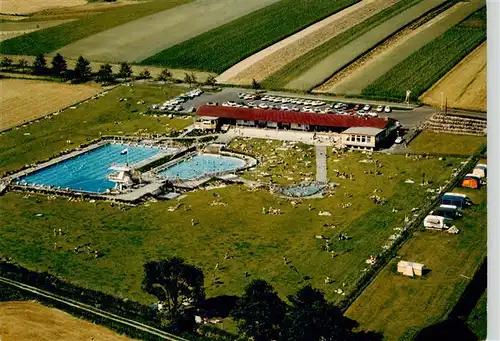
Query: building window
{"x": 358, "y": 138}
{"x": 363, "y": 139}
{"x": 369, "y": 139}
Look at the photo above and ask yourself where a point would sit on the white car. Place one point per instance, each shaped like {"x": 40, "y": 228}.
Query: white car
{"x": 337, "y": 106}
{"x": 372, "y": 114}
{"x": 361, "y": 113}
{"x": 399, "y": 140}
{"x": 248, "y": 97}
{"x": 367, "y": 107}
{"x": 284, "y": 108}
{"x": 387, "y": 109}
{"x": 299, "y": 102}
{"x": 380, "y": 108}
{"x": 295, "y": 108}
{"x": 263, "y": 106}
{"x": 307, "y": 102}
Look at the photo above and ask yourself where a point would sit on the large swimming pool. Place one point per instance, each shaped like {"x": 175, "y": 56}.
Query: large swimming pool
{"x": 88, "y": 171}
{"x": 202, "y": 164}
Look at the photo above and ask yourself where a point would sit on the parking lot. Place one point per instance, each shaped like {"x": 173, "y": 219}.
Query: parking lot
{"x": 192, "y": 100}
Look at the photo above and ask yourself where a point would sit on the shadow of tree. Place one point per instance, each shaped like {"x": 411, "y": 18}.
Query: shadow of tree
{"x": 219, "y": 306}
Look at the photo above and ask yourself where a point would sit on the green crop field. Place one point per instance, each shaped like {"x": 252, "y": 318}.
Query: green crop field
{"x": 399, "y": 306}
{"x": 427, "y": 65}
{"x": 51, "y": 39}
{"x": 430, "y": 142}
{"x": 222, "y": 47}
{"x": 41, "y": 140}
{"x": 308, "y": 60}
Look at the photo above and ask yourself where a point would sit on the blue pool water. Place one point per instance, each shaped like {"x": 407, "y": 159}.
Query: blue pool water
{"x": 302, "y": 190}
{"x": 87, "y": 172}
{"x": 199, "y": 165}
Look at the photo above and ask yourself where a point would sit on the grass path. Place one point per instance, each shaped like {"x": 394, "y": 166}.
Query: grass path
{"x": 383, "y": 62}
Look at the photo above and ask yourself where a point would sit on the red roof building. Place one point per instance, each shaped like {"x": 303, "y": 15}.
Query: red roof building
{"x": 334, "y": 121}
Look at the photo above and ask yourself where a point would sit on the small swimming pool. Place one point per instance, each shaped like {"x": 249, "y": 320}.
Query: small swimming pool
{"x": 202, "y": 164}
{"x": 87, "y": 172}
{"x": 302, "y": 190}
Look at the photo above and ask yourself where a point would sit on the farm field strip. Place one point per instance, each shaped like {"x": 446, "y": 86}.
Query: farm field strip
{"x": 266, "y": 62}
{"x": 321, "y": 71}
{"x": 423, "y": 68}
{"x": 149, "y": 35}
{"x": 400, "y": 306}
{"x": 31, "y": 6}
{"x": 25, "y": 100}
{"x": 222, "y": 47}
{"x": 54, "y": 38}
{"x": 464, "y": 87}
{"x": 10, "y": 30}
{"x": 31, "y": 321}
{"x": 383, "y": 62}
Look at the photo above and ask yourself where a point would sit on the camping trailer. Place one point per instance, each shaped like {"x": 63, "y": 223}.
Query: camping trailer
{"x": 448, "y": 212}
{"x": 434, "y": 222}
{"x": 471, "y": 181}
{"x": 480, "y": 170}
{"x": 457, "y": 199}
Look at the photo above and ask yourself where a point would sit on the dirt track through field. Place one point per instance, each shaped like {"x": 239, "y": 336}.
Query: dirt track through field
{"x": 464, "y": 86}
{"x": 398, "y": 50}
{"x": 273, "y": 58}
{"x": 31, "y": 6}
{"x": 320, "y": 72}
{"x": 142, "y": 38}
{"x": 31, "y": 321}
{"x": 26, "y": 100}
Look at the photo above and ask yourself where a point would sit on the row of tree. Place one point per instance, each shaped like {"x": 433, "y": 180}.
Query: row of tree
{"x": 260, "y": 313}
{"x": 82, "y": 71}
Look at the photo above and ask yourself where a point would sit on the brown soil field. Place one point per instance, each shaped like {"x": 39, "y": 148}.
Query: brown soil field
{"x": 31, "y": 321}
{"x": 464, "y": 86}
{"x": 270, "y": 60}
{"x": 25, "y": 100}
{"x": 154, "y": 70}
{"x": 32, "y": 6}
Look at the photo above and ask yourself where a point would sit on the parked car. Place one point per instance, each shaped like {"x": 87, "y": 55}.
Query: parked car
{"x": 263, "y": 106}
{"x": 356, "y": 107}
{"x": 399, "y": 140}
{"x": 380, "y": 108}
{"x": 367, "y": 107}
{"x": 295, "y": 108}
{"x": 337, "y": 105}
{"x": 387, "y": 109}
{"x": 211, "y": 103}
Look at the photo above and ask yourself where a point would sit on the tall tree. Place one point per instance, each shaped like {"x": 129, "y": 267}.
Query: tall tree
{"x": 210, "y": 81}
{"x": 105, "y": 74}
{"x": 173, "y": 281}
{"x": 82, "y": 71}
{"x": 188, "y": 79}
{"x": 22, "y": 64}
{"x": 40, "y": 64}
{"x": 259, "y": 312}
{"x": 312, "y": 318}
{"x": 125, "y": 71}
{"x": 6, "y": 62}
{"x": 193, "y": 78}
{"x": 145, "y": 74}
{"x": 165, "y": 76}
{"x": 255, "y": 85}
{"x": 59, "y": 65}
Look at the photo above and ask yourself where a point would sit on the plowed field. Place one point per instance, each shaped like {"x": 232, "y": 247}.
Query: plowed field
{"x": 31, "y": 6}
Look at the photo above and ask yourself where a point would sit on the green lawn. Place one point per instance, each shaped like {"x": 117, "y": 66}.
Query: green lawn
{"x": 477, "y": 320}
{"x": 430, "y": 142}
{"x": 53, "y": 38}
{"x": 88, "y": 121}
{"x": 399, "y": 306}
{"x": 222, "y": 47}
{"x": 426, "y": 66}
{"x": 284, "y": 166}
{"x": 307, "y": 61}
{"x": 257, "y": 242}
